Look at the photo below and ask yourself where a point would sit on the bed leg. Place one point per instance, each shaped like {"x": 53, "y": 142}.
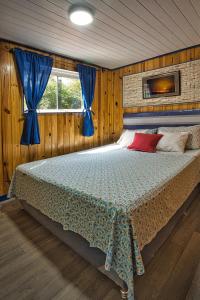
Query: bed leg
{"x": 124, "y": 292}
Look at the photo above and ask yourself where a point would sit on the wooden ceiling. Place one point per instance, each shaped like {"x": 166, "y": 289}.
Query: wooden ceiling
{"x": 123, "y": 32}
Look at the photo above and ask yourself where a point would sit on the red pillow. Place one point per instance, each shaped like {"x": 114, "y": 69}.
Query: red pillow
{"x": 145, "y": 142}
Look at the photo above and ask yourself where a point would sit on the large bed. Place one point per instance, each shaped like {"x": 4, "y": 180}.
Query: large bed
{"x": 108, "y": 203}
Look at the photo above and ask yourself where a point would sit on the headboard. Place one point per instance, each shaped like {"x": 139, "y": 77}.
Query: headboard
{"x": 159, "y": 119}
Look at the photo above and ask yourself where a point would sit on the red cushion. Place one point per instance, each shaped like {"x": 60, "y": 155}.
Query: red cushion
{"x": 145, "y": 142}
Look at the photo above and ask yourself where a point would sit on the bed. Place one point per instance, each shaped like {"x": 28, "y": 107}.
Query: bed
{"x": 112, "y": 205}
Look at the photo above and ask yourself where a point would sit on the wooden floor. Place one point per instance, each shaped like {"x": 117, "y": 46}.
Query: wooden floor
{"x": 36, "y": 265}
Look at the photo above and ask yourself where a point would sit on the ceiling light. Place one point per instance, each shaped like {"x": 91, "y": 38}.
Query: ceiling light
{"x": 81, "y": 15}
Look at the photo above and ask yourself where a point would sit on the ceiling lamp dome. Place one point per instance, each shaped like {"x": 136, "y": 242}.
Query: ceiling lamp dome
{"x": 81, "y": 15}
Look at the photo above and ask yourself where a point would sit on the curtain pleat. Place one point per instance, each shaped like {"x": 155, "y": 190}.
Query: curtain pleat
{"x": 34, "y": 71}
{"x": 88, "y": 78}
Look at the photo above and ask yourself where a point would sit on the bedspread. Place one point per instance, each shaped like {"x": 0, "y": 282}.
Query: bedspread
{"x": 111, "y": 196}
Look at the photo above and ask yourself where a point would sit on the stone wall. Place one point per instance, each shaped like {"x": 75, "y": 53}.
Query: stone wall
{"x": 189, "y": 86}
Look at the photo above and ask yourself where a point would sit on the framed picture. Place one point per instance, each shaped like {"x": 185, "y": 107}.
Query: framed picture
{"x": 162, "y": 85}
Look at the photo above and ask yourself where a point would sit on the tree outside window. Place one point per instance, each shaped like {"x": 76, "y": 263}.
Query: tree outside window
{"x": 63, "y": 93}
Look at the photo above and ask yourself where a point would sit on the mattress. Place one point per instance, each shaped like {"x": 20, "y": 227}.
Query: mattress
{"x": 115, "y": 198}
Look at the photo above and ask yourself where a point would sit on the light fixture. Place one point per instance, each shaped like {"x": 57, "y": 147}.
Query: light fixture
{"x": 81, "y": 15}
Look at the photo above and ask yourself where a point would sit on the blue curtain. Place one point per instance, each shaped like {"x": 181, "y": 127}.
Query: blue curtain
{"x": 34, "y": 71}
{"x": 88, "y": 78}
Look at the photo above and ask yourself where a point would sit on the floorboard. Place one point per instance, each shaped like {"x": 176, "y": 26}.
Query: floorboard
{"x": 35, "y": 265}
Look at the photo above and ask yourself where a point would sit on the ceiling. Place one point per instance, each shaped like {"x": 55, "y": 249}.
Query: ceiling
{"x": 123, "y": 32}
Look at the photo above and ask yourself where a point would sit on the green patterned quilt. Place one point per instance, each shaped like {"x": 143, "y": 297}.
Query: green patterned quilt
{"x": 94, "y": 192}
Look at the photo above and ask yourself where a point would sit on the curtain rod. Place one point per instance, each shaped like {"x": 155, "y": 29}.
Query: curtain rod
{"x": 53, "y": 53}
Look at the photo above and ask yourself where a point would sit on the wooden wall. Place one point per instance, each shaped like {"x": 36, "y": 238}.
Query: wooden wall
{"x": 155, "y": 63}
{"x": 60, "y": 133}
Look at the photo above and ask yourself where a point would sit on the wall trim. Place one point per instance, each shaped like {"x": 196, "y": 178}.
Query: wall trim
{"x": 98, "y": 66}
{"x": 52, "y": 53}
{"x": 158, "y": 56}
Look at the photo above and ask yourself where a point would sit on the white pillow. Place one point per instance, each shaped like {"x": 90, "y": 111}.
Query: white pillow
{"x": 193, "y": 141}
{"x": 127, "y": 137}
{"x": 172, "y": 141}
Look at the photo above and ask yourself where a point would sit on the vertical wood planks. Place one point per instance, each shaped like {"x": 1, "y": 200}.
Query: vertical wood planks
{"x": 59, "y": 133}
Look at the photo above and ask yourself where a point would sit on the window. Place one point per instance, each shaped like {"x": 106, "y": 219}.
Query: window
{"x": 62, "y": 94}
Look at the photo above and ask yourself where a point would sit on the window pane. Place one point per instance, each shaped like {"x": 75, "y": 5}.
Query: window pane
{"x": 69, "y": 93}
{"x": 63, "y": 92}
{"x": 49, "y": 99}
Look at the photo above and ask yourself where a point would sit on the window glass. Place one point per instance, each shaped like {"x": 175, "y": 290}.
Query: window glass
{"x": 63, "y": 93}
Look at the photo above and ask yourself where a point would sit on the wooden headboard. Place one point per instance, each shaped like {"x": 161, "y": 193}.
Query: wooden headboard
{"x": 163, "y": 118}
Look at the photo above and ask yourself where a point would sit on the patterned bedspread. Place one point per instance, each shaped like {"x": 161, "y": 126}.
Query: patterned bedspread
{"x": 116, "y": 199}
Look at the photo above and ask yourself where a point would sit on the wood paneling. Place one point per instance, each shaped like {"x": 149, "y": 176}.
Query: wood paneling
{"x": 60, "y": 133}
{"x": 123, "y": 31}
{"x": 151, "y": 64}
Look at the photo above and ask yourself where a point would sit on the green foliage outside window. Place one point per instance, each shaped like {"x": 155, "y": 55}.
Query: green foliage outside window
{"x": 61, "y": 93}
{"x": 48, "y": 100}
{"x": 69, "y": 97}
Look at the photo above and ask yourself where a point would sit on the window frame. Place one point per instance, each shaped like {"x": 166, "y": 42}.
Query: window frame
{"x": 62, "y": 73}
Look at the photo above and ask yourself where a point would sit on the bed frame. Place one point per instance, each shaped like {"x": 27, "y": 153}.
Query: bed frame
{"x": 94, "y": 255}
{"x": 170, "y": 118}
